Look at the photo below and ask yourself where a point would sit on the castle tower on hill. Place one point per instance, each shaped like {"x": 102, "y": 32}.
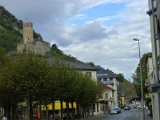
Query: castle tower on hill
{"x": 30, "y": 44}
{"x": 28, "y": 33}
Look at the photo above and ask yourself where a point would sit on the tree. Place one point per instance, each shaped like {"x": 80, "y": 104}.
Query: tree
{"x": 90, "y": 63}
{"x": 136, "y": 75}
{"x": 32, "y": 78}
{"x": 20, "y": 79}
{"x": 120, "y": 77}
{"x": 55, "y": 50}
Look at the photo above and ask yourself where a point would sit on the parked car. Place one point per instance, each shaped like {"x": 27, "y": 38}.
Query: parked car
{"x": 134, "y": 106}
{"x": 127, "y": 107}
{"x": 115, "y": 110}
{"x": 140, "y": 107}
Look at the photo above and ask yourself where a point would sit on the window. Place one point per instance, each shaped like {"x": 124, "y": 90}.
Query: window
{"x": 88, "y": 74}
{"x": 105, "y": 79}
{"x": 105, "y": 95}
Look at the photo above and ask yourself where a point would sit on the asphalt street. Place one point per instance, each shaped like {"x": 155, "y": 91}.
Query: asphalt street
{"x": 133, "y": 114}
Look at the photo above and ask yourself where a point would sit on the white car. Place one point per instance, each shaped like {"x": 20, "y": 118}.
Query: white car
{"x": 139, "y": 107}
{"x": 115, "y": 111}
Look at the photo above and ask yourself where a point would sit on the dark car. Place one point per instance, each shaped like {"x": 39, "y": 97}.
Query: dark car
{"x": 127, "y": 107}
{"x": 115, "y": 110}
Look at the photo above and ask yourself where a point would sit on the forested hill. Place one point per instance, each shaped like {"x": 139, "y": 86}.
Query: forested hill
{"x": 126, "y": 88}
{"x": 10, "y": 30}
{"x": 11, "y": 34}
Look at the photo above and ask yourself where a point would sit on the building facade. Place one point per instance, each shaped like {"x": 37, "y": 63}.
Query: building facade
{"x": 154, "y": 14}
{"x": 108, "y": 78}
{"x": 97, "y": 108}
{"x": 30, "y": 44}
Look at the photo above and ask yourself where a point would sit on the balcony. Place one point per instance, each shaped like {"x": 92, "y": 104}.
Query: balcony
{"x": 105, "y": 99}
{"x": 107, "y": 82}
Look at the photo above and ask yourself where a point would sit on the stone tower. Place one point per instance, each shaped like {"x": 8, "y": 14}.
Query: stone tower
{"x": 28, "y": 32}
{"x": 30, "y": 44}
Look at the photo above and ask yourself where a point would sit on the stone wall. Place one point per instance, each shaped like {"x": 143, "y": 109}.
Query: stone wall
{"x": 29, "y": 44}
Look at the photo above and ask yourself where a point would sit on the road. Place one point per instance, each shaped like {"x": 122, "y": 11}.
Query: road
{"x": 133, "y": 114}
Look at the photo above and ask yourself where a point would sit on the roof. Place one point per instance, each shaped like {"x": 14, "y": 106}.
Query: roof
{"x": 77, "y": 65}
{"x": 102, "y": 73}
{"x": 110, "y": 88}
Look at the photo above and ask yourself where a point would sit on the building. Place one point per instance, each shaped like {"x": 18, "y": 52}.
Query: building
{"x": 149, "y": 83}
{"x": 109, "y": 79}
{"x": 30, "y": 44}
{"x": 86, "y": 70}
{"x": 106, "y": 99}
{"x": 154, "y": 14}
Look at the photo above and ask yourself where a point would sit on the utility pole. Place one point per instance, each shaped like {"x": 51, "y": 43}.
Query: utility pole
{"x": 141, "y": 77}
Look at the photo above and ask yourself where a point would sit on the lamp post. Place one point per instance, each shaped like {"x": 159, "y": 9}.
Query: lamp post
{"x": 142, "y": 94}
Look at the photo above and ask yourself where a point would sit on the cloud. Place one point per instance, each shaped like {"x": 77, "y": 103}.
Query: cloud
{"x": 109, "y": 45}
{"x": 118, "y": 52}
{"x": 93, "y": 3}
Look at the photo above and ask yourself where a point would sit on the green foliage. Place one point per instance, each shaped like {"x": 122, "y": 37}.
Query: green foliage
{"x": 120, "y": 77}
{"x": 55, "y": 50}
{"x": 57, "y": 53}
{"x": 90, "y": 63}
{"x": 136, "y": 76}
{"x": 7, "y": 20}
{"x": 127, "y": 88}
{"x": 9, "y": 40}
{"x": 32, "y": 77}
{"x": 9, "y": 30}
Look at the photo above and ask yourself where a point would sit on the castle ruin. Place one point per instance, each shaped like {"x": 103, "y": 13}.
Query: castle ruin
{"x": 30, "y": 44}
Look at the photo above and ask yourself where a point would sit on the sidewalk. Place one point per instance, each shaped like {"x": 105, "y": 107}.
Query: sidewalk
{"x": 148, "y": 118}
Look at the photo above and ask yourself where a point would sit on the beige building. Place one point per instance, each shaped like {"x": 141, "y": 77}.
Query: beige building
{"x": 154, "y": 15}
{"x": 30, "y": 44}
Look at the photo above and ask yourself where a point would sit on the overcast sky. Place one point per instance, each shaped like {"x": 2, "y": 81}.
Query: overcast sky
{"x": 100, "y": 31}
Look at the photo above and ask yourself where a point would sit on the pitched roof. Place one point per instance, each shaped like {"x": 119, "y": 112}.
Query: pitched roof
{"x": 77, "y": 65}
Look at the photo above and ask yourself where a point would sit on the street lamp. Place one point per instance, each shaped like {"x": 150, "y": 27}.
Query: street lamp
{"x": 142, "y": 94}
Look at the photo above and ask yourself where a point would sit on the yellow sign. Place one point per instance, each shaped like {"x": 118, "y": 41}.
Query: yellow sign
{"x": 57, "y": 105}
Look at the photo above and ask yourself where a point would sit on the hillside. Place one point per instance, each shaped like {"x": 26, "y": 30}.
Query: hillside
{"x": 11, "y": 34}
{"x": 9, "y": 30}
{"x": 127, "y": 89}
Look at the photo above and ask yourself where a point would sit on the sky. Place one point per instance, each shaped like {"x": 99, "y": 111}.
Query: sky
{"x": 99, "y": 31}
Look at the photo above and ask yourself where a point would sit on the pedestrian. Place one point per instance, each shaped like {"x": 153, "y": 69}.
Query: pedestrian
{"x": 4, "y": 117}
{"x": 150, "y": 110}
{"x": 38, "y": 115}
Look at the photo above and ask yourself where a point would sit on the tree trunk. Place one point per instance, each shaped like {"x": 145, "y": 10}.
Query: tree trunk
{"x": 47, "y": 117}
{"x": 7, "y": 111}
{"x": 30, "y": 109}
{"x": 61, "y": 103}
{"x": 40, "y": 110}
{"x": 14, "y": 112}
{"x": 73, "y": 111}
{"x": 53, "y": 109}
{"x": 67, "y": 109}
{"x": 88, "y": 110}
{"x": 78, "y": 111}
